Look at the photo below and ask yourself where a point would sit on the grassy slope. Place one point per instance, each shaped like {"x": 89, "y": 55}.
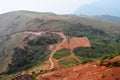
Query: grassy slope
{"x": 8, "y": 46}
{"x": 61, "y": 53}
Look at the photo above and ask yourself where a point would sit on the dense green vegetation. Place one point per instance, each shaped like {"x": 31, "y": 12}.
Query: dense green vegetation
{"x": 61, "y": 53}
{"x": 68, "y": 62}
{"x": 85, "y": 60}
{"x": 36, "y": 51}
{"x": 92, "y": 52}
{"x": 84, "y": 57}
{"x": 80, "y": 30}
{"x": 96, "y": 51}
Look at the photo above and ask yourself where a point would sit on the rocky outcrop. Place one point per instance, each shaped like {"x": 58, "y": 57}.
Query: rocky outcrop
{"x": 24, "y": 77}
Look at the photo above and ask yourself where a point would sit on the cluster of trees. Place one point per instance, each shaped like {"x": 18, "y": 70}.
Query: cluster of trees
{"x": 68, "y": 62}
{"x": 80, "y": 30}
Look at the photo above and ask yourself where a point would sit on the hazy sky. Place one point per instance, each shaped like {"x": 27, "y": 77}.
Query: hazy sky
{"x": 101, "y": 7}
{"x": 56, "y": 6}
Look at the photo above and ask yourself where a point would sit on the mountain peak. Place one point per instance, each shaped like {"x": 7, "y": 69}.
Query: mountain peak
{"x": 28, "y": 12}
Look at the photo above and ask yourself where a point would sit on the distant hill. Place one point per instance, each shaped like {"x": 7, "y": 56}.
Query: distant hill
{"x": 27, "y": 20}
{"x": 108, "y": 18}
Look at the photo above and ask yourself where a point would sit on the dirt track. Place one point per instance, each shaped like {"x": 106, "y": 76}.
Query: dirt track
{"x": 55, "y": 47}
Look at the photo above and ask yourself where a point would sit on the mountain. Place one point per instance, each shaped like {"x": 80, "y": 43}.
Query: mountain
{"x": 106, "y": 7}
{"x": 27, "y": 20}
{"x": 108, "y": 18}
{"x": 36, "y": 43}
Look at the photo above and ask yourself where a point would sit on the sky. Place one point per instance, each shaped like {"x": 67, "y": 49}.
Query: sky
{"x": 101, "y": 7}
{"x": 54, "y": 6}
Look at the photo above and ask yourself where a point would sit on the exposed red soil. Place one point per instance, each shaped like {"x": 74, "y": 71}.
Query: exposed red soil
{"x": 89, "y": 71}
{"x": 56, "y": 64}
{"x": 76, "y": 42}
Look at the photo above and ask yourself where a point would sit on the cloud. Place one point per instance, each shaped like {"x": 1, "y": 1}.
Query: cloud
{"x": 56, "y": 6}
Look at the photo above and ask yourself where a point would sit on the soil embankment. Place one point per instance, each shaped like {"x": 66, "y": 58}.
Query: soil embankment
{"x": 89, "y": 71}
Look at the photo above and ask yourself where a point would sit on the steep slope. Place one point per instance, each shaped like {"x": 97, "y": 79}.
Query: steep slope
{"x": 89, "y": 71}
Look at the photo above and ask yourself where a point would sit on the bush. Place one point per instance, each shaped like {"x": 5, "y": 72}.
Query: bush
{"x": 93, "y": 52}
{"x": 68, "y": 62}
{"x": 61, "y": 53}
{"x": 116, "y": 64}
{"x": 85, "y": 60}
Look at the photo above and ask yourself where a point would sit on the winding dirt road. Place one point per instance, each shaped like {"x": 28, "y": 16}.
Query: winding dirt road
{"x": 55, "y": 48}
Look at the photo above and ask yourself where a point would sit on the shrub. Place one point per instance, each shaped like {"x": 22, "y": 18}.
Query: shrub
{"x": 68, "y": 62}
{"x": 61, "y": 53}
{"x": 85, "y": 60}
{"x": 93, "y": 52}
